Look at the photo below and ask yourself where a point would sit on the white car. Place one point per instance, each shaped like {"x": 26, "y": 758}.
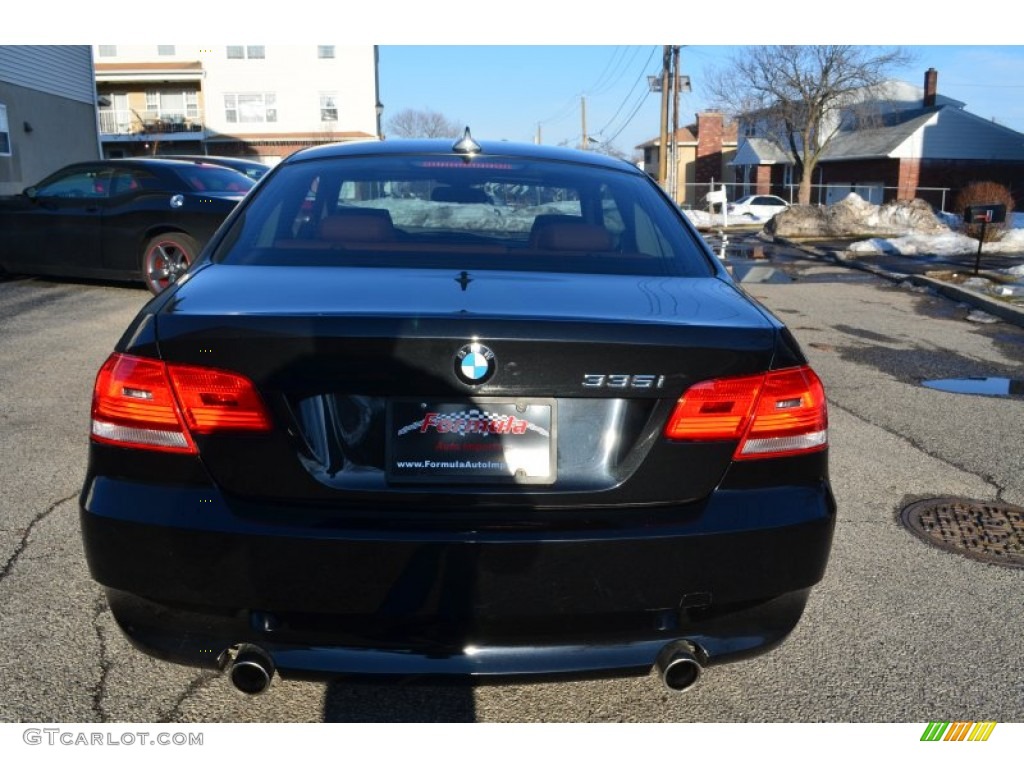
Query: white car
{"x": 758, "y": 206}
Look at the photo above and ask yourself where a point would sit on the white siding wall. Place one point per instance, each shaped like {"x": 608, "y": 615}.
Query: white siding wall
{"x": 58, "y": 70}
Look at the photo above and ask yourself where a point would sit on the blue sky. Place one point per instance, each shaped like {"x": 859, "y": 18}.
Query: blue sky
{"x": 502, "y": 68}
{"x": 505, "y": 91}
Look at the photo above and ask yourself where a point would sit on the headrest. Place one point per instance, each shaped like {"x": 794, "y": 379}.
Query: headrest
{"x": 565, "y": 234}
{"x": 357, "y": 225}
{"x": 459, "y": 195}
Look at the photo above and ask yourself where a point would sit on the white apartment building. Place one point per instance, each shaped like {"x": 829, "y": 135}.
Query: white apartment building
{"x": 259, "y": 101}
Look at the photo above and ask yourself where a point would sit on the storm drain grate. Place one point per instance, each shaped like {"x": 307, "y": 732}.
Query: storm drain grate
{"x": 992, "y": 533}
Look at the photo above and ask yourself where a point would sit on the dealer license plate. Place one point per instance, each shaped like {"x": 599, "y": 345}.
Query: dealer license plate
{"x": 487, "y": 440}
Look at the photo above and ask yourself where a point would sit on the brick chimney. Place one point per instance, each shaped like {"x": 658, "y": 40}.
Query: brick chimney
{"x": 710, "y": 127}
{"x": 931, "y": 86}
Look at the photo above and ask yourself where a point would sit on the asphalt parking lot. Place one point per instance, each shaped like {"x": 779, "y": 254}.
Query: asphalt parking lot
{"x": 897, "y": 632}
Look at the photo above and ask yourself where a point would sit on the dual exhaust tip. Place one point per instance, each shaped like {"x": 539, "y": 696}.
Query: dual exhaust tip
{"x": 251, "y": 669}
{"x": 679, "y": 664}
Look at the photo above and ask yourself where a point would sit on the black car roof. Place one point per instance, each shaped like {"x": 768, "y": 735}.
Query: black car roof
{"x": 392, "y": 147}
{"x": 225, "y": 162}
{"x": 129, "y": 162}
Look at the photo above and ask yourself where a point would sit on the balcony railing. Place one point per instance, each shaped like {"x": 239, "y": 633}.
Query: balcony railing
{"x": 128, "y": 122}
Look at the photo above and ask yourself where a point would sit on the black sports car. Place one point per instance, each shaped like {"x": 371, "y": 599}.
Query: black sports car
{"x": 254, "y": 169}
{"x": 461, "y": 409}
{"x": 140, "y": 219}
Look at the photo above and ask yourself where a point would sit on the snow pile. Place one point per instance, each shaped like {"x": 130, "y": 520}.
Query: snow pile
{"x": 413, "y": 213}
{"x": 854, "y": 216}
{"x": 703, "y": 219}
{"x": 942, "y": 244}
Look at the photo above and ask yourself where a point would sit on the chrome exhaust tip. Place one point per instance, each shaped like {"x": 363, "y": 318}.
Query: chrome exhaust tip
{"x": 251, "y": 670}
{"x": 679, "y": 665}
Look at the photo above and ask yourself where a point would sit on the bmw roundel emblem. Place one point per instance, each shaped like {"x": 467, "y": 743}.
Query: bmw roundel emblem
{"x": 474, "y": 363}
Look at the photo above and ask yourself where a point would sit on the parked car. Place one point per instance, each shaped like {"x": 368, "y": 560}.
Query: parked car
{"x": 138, "y": 219}
{"x": 378, "y": 429}
{"x": 758, "y": 206}
{"x": 254, "y": 169}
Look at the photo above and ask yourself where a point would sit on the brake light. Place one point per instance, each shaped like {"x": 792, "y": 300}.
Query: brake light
{"x": 144, "y": 403}
{"x": 779, "y": 413}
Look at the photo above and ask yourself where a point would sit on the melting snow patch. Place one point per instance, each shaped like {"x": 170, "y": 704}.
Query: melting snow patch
{"x": 977, "y": 316}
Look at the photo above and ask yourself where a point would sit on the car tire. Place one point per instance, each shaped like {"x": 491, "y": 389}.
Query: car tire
{"x": 165, "y": 258}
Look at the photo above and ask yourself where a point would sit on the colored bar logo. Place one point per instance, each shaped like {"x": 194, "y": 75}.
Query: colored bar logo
{"x": 960, "y": 731}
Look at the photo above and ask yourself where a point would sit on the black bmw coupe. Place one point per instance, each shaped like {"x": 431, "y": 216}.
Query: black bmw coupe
{"x": 135, "y": 220}
{"x": 470, "y": 409}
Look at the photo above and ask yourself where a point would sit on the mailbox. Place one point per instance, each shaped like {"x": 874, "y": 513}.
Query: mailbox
{"x": 986, "y": 213}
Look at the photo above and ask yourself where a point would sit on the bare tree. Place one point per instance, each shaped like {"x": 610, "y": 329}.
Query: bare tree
{"x": 423, "y": 123}
{"x": 800, "y": 95}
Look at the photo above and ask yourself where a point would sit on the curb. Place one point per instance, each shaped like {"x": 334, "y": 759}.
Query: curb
{"x": 1002, "y": 310}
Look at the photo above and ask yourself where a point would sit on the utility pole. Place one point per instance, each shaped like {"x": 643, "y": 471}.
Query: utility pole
{"x": 666, "y": 63}
{"x": 583, "y": 114}
{"x": 675, "y": 122}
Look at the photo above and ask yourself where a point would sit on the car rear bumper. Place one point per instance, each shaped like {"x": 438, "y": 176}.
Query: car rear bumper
{"x": 190, "y": 574}
{"x": 198, "y": 638}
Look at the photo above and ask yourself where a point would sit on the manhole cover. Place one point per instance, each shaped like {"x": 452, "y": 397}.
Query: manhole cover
{"x": 992, "y": 533}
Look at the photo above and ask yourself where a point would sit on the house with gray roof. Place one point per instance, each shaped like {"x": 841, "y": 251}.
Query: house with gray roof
{"x": 929, "y": 149}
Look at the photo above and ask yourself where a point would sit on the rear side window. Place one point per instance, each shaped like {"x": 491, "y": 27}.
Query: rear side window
{"x": 446, "y": 212}
{"x": 210, "y": 178}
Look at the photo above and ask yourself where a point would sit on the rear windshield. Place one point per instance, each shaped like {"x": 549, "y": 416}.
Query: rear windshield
{"x": 448, "y": 212}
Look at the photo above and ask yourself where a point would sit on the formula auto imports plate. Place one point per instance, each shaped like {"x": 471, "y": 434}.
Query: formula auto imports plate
{"x": 486, "y": 440}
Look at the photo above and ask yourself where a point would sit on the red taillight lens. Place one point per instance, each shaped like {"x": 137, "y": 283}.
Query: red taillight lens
{"x": 779, "y": 413}
{"x": 144, "y": 403}
{"x": 218, "y": 401}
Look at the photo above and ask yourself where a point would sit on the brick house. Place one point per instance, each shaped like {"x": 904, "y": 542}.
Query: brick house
{"x": 704, "y": 151}
{"x": 925, "y": 146}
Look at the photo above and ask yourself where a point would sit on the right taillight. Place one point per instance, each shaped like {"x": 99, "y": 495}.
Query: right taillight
{"x": 144, "y": 403}
{"x": 778, "y": 413}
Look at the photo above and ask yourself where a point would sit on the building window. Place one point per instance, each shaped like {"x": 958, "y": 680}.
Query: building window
{"x": 5, "y": 133}
{"x": 176, "y": 106}
{"x": 247, "y": 52}
{"x": 325, "y": 51}
{"x": 107, "y": 50}
{"x": 250, "y": 107}
{"x": 328, "y": 107}
{"x": 165, "y": 50}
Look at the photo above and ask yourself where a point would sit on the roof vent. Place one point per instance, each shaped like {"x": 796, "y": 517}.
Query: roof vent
{"x": 466, "y": 145}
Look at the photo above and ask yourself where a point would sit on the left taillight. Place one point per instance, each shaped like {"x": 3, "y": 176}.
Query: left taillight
{"x": 778, "y": 413}
{"x": 145, "y": 403}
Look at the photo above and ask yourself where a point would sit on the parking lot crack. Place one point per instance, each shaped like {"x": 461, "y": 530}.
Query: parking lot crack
{"x": 100, "y": 689}
{"x": 6, "y": 568}
{"x": 987, "y": 478}
{"x": 193, "y": 687}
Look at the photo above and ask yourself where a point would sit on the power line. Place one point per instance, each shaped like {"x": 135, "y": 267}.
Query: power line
{"x": 640, "y": 103}
{"x": 644, "y": 95}
{"x": 607, "y": 67}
